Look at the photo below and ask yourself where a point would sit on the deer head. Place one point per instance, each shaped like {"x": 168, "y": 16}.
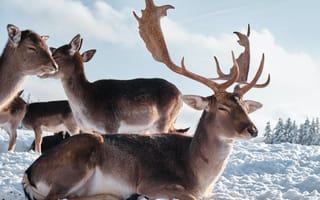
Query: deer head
{"x": 66, "y": 56}
{"x": 29, "y": 52}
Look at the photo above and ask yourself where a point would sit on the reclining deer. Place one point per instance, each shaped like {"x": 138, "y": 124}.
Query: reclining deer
{"x": 11, "y": 117}
{"x": 157, "y": 166}
{"x": 25, "y": 53}
{"x": 51, "y": 116}
{"x": 115, "y": 106}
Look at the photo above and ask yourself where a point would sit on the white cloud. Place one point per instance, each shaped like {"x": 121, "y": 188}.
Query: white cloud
{"x": 68, "y": 17}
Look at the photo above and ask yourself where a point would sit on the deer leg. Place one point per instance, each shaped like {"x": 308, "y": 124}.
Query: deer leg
{"x": 38, "y": 139}
{"x": 71, "y": 126}
{"x": 12, "y": 138}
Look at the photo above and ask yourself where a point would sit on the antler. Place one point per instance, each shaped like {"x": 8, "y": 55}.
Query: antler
{"x": 241, "y": 90}
{"x": 151, "y": 33}
{"x": 243, "y": 61}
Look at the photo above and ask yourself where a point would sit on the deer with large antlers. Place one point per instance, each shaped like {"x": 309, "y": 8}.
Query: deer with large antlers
{"x": 157, "y": 166}
{"x": 25, "y": 53}
{"x": 11, "y": 117}
{"x": 115, "y": 106}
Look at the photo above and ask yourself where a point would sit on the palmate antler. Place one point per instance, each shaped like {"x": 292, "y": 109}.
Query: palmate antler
{"x": 150, "y": 31}
{"x": 243, "y": 61}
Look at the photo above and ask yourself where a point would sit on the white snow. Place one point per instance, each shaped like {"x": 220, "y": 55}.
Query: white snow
{"x": 255, "y": 170}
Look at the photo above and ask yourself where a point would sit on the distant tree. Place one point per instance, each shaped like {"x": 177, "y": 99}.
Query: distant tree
{"x": 278, "y": 132}
{"x": 305, "y": 131}
{"x": 308, "y": 133}
{"x": 268, "y": 134}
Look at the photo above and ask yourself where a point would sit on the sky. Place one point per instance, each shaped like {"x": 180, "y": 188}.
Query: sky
{"x": 286, "y": 31}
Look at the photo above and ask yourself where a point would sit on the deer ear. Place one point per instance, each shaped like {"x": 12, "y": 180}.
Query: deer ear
{"x": 75, "y": 44}
{"x": 14, "y": 34}
{"x": 252, "y": 105}
{"x": 87, "y": 55}
{"x": 196, "y": 102}
{"x": 44, "y": 37}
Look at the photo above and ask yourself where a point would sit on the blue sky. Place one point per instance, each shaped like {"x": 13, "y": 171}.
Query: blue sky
{"x": 286, "y": 31}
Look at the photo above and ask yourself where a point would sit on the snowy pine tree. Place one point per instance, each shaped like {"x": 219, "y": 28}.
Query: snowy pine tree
{"x": 308, "y": 133}
{"x": 278, "y": 132}
{"x": 268, "y": 134}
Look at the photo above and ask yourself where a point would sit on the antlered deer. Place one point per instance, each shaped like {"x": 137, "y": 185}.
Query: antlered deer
{"x": 115, "y": 106}
{"x": 157, "y": 166}
{"x": 10, "y": 118}
{"x": 51, "y": 116}
{"x": 25, "y": 53}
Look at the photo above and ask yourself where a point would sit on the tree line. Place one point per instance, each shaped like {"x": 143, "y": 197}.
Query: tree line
{"x": 307, "y": 133}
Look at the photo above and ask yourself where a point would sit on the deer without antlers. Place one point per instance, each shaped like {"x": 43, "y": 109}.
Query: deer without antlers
{"x": 10, "y": 118}
{"x": 115, "y": 106}
{"x": 51, "y": 116}
{"x": 157, "y": 166}
{"x": 25, "y": 53}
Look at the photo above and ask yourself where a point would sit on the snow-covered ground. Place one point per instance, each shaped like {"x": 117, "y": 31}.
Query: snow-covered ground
{"x": 255, "y": 170}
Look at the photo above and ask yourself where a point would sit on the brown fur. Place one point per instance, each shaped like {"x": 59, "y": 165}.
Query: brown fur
{"x": 19, "y": 60}
{"x": 52, "y": 116}
{"x": 10, "y": 118}
{"x": 105, "y": 105}
{"x": 160, "y": 165}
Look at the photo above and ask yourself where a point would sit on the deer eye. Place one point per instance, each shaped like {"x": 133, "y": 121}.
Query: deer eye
{"x": 224, "y": 108}
{"x": 32, "y": 49}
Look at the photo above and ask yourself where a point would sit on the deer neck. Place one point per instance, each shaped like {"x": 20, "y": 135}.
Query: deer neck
{"x": 76, "y": 86}
{"x": 208, "y": 153}
{"x": 11, "y": 77}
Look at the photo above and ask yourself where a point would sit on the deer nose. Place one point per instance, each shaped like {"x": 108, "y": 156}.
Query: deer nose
{"x": 253, "y": 131}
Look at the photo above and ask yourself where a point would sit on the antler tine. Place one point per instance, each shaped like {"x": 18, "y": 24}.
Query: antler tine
{"x": 235, "y": 74}
{"x": 151, "y": 33}
{"x": 214, "y": 86}
{"x": 248, "y": 31}
{"x": 245, "y": 88}
{"x": 222, "y": 76}
{"x": 265, "y": 84}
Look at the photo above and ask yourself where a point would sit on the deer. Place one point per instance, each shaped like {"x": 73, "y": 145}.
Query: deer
{"x": 25, "y": 54}
{"x": 143, "y": 106}
{"x": 172, "y": 166}
{"x": 11, "y": 117}
{"x": 51, "y": 116}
